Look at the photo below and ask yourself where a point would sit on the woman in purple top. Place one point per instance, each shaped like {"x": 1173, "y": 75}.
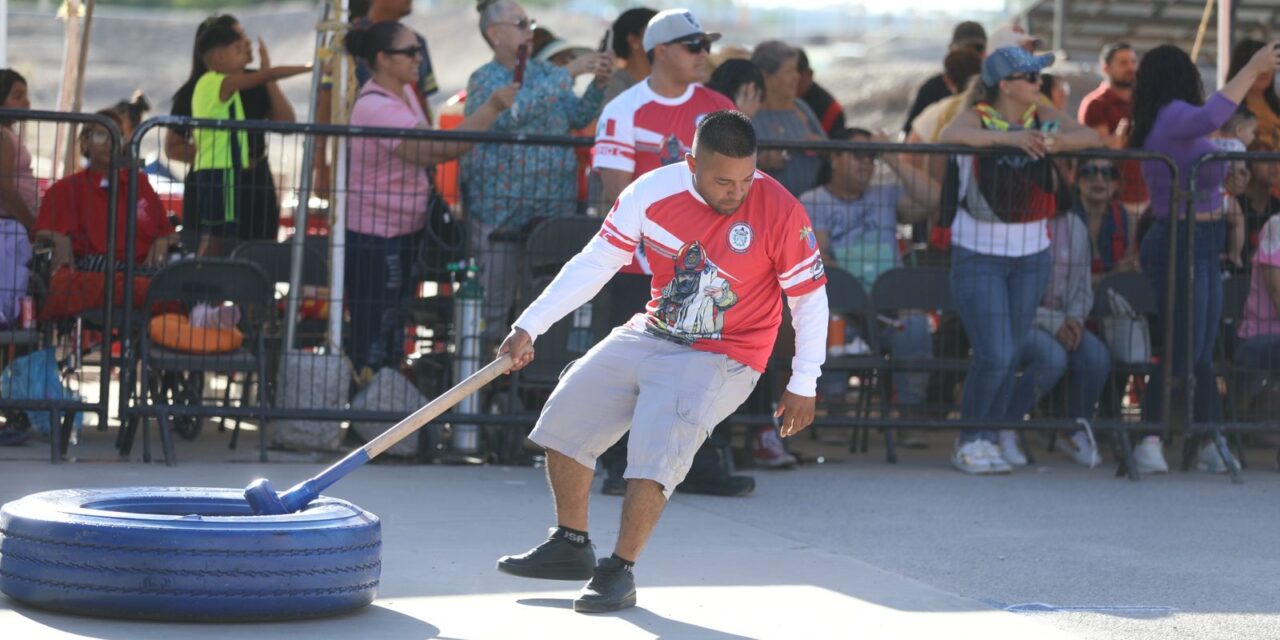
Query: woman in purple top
{"x": 1171, "y": 116}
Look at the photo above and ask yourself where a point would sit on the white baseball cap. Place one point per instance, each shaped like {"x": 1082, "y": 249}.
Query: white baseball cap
{"x": 671, "y": 25}
{"x": 1012, "y": 36}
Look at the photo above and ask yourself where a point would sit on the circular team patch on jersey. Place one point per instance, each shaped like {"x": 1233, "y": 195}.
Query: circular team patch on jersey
{"x": 740, "y": 236}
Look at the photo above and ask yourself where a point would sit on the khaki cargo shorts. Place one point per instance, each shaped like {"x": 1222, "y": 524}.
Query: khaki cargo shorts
{"x": 669, "y": 395}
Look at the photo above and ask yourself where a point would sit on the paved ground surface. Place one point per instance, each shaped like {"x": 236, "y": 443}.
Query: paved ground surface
{"x": 849, "y": 548}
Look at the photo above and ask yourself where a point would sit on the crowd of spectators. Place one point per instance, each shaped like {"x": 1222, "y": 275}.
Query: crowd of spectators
{"x": 1027, "y": 236}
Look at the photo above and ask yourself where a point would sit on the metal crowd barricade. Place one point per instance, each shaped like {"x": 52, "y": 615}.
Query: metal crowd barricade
{"x": 918, "y": 385}
{"x": 424, "y": 338}
{"x": 882, "y": 374}
{"x": 58, "y": 316}
{"x": 1245, "y": 358}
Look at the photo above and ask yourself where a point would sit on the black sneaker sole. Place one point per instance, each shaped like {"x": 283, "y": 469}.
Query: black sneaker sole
{"x": 547, "y": 572}
{"x": 601, "y": 606}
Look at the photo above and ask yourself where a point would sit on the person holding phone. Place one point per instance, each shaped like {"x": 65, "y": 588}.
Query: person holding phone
{"x": 506, "y": 188}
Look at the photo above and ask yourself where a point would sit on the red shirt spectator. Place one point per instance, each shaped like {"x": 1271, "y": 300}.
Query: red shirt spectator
{"x": 1104, "y": 108}
{"x": 76, "y": 207}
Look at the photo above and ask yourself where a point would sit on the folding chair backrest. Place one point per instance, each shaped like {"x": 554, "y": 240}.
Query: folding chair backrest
{"x": 571, "y": 337}
{"x": 912, "y": 288}
{"x": 845, "y": 293}
{"x": 276, "y": 261}
{"x": 628, "y": 294}
{"x": 214, "y": 280}
{"x": 1133, "y": 287}
{"x": 554, "y": 242}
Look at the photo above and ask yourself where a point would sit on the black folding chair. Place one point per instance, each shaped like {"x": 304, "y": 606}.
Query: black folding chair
{"x": 847, "y": 298}
{"x": 212, "y": 281}
{"x": 914, "y": 288}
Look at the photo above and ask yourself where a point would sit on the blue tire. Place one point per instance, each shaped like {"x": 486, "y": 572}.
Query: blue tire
{"x": 185, "y": 553}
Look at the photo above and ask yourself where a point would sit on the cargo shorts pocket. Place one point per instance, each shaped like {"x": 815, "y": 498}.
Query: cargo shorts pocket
{"x": 697, "y": 389}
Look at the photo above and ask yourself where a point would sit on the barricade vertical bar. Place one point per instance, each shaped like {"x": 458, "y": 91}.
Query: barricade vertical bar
{"x": 113, "y": 219}
{"x": 127, "y": 350}
{"x": 304, "y": 197}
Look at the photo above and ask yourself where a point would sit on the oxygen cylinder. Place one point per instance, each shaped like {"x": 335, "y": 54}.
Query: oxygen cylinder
{"x": 468, "y": 329}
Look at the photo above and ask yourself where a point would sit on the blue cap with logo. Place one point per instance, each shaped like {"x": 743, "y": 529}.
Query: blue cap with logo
{"x": 1006, "y": 61}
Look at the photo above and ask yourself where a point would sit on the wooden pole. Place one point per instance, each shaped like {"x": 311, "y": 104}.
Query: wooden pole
{"x": 1204, "y": 26}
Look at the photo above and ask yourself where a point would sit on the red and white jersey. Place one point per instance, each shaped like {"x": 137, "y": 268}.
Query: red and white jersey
{"x": 717, "y": 279}
{"x": 639, "y": 130}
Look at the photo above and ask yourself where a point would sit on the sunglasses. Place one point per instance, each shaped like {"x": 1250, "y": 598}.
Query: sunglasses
{"x": 96, "y": 137}
{"x": 1032, "y": 77}
{"x": 694, "y": 45}
{"x": 414, "y": 51}
{"x": 1094, "y": 171}
{"x": 523, "y": 24}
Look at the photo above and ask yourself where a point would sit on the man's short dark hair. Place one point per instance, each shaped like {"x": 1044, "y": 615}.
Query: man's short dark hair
{"x": 802, "y": 61}
{"x": 632, "y": 22}
{"x": 728, "y": 133}
{"x": 1110, "y": 50}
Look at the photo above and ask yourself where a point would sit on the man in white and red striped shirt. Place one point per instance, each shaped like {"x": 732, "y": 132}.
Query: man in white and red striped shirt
{"x": 651, "y": 124}
{"x": 726, "y": 243}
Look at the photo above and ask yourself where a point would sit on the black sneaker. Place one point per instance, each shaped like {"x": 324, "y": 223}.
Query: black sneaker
{"x": 728, "y": 487}
{"x": 555, "y": 559}
{"x": 612, "y": 587}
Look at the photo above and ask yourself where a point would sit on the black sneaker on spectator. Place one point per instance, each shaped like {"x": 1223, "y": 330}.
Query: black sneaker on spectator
{"x": 727, "y": 487}
{"x": 554, "y": 559}
{"x": 612, "y": 587}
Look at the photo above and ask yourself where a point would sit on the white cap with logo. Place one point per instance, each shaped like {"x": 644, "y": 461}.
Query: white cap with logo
{"x": 671, "y": 25}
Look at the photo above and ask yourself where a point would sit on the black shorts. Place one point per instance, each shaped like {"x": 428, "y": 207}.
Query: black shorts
{"x": 215, "y": 202}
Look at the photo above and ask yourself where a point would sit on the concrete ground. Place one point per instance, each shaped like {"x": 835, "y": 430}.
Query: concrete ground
{"x": 851, "y": 548}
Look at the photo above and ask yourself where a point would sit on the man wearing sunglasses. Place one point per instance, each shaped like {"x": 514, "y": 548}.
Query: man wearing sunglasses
{"x": 651, "y": 124}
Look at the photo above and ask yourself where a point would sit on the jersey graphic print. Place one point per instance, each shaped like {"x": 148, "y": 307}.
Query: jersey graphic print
{"x": 694, "y": 303}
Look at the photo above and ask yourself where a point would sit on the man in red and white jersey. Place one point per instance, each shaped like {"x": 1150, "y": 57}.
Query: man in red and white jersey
{"x": 651, "y": 124}
{"x": 725, "y": 243}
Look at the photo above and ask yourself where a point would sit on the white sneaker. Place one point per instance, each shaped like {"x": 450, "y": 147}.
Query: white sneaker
{"x": 1211, "y": 461}
{"x": 972, "y": 457}
{"x": 998, "y": 463}
{"x": 1009, "y": 450}
{"x": 1082, "y": 450}
{"x": 1149, "y": 456}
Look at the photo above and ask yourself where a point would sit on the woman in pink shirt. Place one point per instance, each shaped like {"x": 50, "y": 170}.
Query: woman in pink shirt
{"x": 1259, "y": 346}
{"x": 388, "y": 189}
{"x": 17, "y": 201}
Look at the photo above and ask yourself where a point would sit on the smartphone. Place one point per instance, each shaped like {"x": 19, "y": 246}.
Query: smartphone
{"x": 522, "y": 59}
{"x": 606, "y": 43}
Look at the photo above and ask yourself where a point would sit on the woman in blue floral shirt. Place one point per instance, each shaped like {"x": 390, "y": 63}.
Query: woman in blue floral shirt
{"x": 507, "y": 187}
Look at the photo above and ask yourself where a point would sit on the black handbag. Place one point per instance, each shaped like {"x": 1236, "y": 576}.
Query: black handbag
{"x": 442, "y": 241}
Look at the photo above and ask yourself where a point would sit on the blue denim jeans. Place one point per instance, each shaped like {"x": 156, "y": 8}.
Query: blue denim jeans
{"x": 1044, "y": 361}
{"x": 996, "y": 299}
{"x": 1207, "y": 305}
{"x": 377, "y": 282}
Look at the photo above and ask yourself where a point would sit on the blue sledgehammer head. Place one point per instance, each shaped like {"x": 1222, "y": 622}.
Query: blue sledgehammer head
{"x": 263, "y": 499}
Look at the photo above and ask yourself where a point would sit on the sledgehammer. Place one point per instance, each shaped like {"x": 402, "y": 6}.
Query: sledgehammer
{"x": 265, "y": 501}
